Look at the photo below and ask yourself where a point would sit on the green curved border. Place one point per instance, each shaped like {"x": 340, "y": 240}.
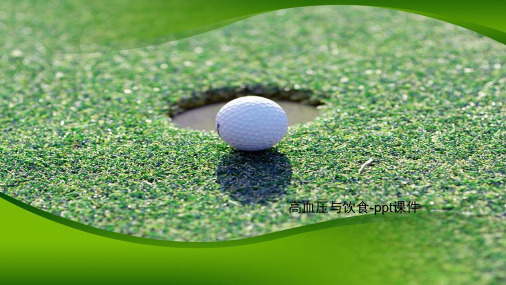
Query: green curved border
{"x": 167, "y": 243}
{"x": 36, "y": 246}
{"x": 407, "y": 250}
{"x": 492, "y": 33}
{"x": 496, "y": 33}
{"x": 125, "y": 24}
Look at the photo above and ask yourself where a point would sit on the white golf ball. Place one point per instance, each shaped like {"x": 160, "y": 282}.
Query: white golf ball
{"x": 251, "y": 123}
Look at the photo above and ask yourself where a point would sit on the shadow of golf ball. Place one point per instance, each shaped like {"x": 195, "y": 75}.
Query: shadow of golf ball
{"x": 254, "y": 178}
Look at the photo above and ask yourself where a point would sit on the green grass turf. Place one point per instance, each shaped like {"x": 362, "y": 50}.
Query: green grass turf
{"x": 87, "y": 136}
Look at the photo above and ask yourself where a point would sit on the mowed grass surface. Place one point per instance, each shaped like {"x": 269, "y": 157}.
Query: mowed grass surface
{"x": 87, "y": 136}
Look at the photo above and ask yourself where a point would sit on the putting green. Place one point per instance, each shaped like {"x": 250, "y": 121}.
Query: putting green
{"x": 87, "y": 136}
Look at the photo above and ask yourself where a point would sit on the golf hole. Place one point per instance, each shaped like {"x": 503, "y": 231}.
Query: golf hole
{"x": 199, "y": 110}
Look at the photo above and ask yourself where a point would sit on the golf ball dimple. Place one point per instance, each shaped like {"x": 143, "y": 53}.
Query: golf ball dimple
{"x": 251, "y": 123}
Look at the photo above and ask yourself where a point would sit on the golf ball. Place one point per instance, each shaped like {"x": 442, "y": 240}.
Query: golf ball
{"x": 251, "y": 123}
